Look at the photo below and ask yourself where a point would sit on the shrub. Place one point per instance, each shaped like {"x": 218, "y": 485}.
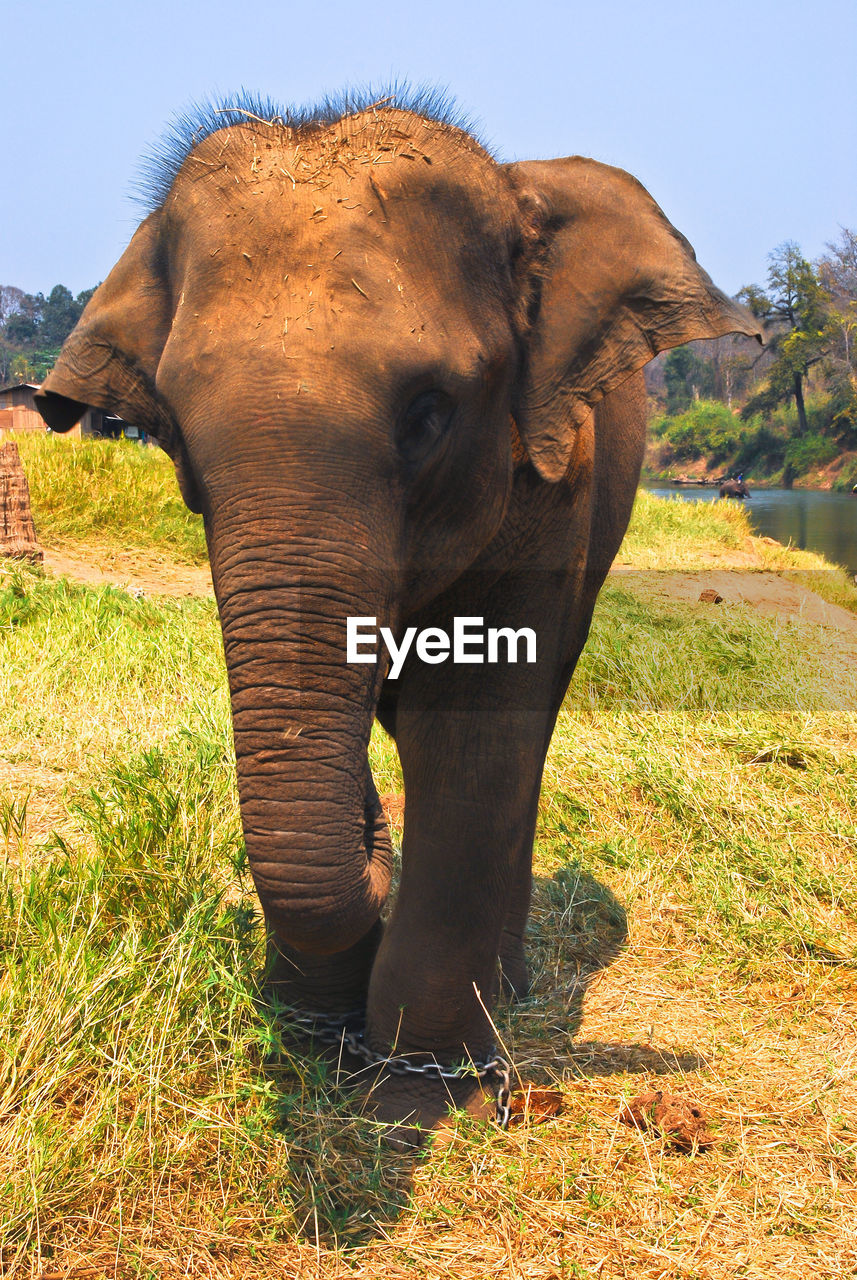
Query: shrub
{"x": 707, "y": 429}
{"x": 762, "y": 449}
{"x": 809, "y": 452}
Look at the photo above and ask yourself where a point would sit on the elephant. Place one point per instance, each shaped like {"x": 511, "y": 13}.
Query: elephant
{"x": 735, "y": 489}
{"x": 402, "y": 383}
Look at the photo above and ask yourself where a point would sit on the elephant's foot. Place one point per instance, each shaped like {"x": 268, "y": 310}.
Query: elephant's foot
{"x": 410, "y": 1108}
{"x": 514, "y": 973}
{"x": 335, "y": 984}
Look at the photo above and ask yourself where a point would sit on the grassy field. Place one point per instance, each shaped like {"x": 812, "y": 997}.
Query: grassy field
{"x": 694, "y": 929}
{"x": 109, "y": 495}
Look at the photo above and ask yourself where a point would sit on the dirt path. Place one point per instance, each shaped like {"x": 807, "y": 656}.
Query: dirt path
{"x": 770, "y": 593}
{"x": 130, "y": 570}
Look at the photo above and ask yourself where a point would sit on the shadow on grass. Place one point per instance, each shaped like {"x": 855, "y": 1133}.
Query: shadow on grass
{"x": 347, "y": 1185}
{"x": 577, "y": 929}
{"x": 609, "y": 1058}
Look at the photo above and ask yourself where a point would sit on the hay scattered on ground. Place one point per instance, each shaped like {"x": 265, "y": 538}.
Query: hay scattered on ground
{"x": 694, "y": 931}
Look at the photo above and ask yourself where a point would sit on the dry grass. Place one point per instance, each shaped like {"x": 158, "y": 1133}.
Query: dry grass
{"x": 694, "y": 928}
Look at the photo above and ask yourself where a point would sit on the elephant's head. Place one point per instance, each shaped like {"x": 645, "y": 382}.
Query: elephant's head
{"x": 329, "y": 327}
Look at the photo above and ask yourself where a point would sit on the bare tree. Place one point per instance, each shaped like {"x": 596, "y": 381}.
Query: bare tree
{"x": 11, "y": 298}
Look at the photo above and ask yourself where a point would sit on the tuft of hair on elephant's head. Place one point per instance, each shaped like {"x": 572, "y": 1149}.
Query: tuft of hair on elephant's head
{"x": 401, "y": 382}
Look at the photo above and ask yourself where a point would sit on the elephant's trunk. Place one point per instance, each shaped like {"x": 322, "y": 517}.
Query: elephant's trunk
{"x": 317, "y": 840}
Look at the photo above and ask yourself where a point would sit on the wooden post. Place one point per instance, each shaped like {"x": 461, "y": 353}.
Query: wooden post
{"x": 17, "y": 531}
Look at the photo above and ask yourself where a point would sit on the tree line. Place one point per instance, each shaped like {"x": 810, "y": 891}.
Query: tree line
{"x": 797, "y": 396}
{"x": 33, "y": 327}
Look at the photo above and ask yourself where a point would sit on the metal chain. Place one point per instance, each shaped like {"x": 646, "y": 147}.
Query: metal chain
{"x": 347, "y": 1031}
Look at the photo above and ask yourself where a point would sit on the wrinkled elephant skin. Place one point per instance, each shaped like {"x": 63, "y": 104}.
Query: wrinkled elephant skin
{"x": 400, "y": 381}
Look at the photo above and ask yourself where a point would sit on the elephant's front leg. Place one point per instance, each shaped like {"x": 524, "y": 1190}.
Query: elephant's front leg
{"x": 336, "y": 984}
{"x": 472, "y": 764}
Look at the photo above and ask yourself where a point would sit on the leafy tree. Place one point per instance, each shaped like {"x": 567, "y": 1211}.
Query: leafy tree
{"x": 60, "y": 313}
{"x": 19, "y": 334}
{"x": 796, "y": 309}
{"x": 838, "y": 271}
{"x": 22, "y": 329}
{"x": 83, "y": 297}
{"x": 33, "y": 328}
{"x": 687, "y": 377}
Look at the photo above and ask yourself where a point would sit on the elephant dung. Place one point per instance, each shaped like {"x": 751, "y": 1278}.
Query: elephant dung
{"x": 534, "y": 1106}
{"x": 680, "y": 1121}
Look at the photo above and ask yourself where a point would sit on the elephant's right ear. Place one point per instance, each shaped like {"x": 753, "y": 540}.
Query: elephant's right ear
{"x": 611, "y": 284}
{"x": 111, "y": 357}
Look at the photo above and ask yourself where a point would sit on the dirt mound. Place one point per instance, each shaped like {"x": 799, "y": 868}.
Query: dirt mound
{"x": 679, "y": 1120}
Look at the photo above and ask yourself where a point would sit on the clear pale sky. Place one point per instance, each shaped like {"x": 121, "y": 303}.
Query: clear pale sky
{"x": 740, "y": 118}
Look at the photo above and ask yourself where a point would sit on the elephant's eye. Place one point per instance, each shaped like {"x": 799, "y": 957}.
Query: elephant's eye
{"x": 423, "y": 425}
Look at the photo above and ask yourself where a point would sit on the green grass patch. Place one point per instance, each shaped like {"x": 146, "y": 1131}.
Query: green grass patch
{"x": 707, "y": 752}
{"x": 109, "y": 493}
{"x": 86, "y": 671}
{"x": 677, "y": 661}
{"x": 669, "y": 533}
{"x": 140, "y": 1055}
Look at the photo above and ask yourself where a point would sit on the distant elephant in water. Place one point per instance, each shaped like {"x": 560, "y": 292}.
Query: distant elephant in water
{"x": 402, "y": 383}
{"x": 734, "y": 489}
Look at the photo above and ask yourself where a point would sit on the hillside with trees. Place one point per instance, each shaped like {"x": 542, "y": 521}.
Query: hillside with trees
{"x": 33, "y": 328}
{"x": 784, "y": 414}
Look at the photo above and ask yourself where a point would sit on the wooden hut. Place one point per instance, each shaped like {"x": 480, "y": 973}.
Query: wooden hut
{"x": 18, "y": 412}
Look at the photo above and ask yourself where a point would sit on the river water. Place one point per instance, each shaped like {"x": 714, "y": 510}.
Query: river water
{"x": 813, "y": 519}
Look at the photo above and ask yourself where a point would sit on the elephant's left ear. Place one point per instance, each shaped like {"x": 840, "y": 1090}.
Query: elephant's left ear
{"x": 613, "y": 284}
